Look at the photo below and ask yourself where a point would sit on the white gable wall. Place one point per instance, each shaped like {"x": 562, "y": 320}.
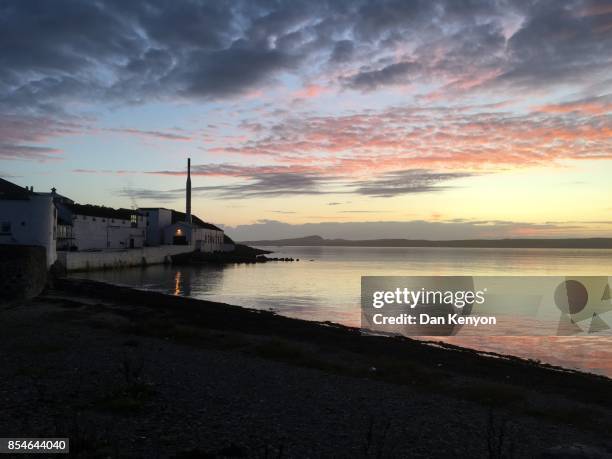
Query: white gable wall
{"x": 30, "y": 222}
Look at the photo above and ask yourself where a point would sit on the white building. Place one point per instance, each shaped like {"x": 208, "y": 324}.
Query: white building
{"x": 89, "y": 227}
{"x": 166, "y": 226}
{"x": 158, "y": 218}
{"x": 27, "y": 218}
{"x": 58, "y": 223}
{"x": 204, "y": 237}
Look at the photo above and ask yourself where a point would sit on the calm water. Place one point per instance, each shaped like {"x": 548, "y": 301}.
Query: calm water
{"x": 325, "y": 285}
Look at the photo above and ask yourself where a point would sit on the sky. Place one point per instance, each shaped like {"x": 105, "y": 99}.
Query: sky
{"x": 356, "y": 119}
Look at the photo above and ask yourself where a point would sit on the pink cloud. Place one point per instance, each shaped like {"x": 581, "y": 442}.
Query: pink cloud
{"x": 432, "y": 138}
{"x": 310, "y": 92}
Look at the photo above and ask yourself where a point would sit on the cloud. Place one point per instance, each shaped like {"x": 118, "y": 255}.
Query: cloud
{"x": 150, "y": 49}
{"x": 25, "y": 137}
{"x": 272, "y": 181}
{"x": 589, "y": 106}
{"x": 577, "y": 45}
{"x": 391, "y": 74}
{"x": 270, "y": 185}
{"x": 154, "y": 134}
{"x": 343, "y": 51}
{"x": 405, "y": 182}
{"x": 255, "y": 183}
{"x": 430, "y": 137}
{"x": 11, "y": 151}
{"x": 146, "y": 194}
{"x": 110, "y": 53}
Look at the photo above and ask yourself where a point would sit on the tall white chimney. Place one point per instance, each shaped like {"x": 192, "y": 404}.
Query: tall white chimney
{"x": 188, "y": 197}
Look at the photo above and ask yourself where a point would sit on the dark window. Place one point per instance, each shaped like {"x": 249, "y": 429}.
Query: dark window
{"x": 22, "y": 223}
{"x": 103, "y": 220}
{"x": 5, "y": 228}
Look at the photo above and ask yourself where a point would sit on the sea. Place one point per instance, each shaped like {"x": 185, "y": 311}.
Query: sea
{"x": 325, "y": 285}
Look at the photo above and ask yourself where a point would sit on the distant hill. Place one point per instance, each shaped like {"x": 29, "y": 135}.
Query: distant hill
{"x": 590, "y": 243}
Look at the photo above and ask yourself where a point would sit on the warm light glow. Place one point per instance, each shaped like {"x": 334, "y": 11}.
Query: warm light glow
{"x": 177, "y": 283}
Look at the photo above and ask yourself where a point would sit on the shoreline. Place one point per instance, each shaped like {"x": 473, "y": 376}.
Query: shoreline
{"x": 226, "y": 316}
{"x": 137, "y": 373}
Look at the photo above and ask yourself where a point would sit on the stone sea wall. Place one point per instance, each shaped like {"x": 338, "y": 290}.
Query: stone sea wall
{"x": 23, "y": 271}
{"x": 110, "y": 259}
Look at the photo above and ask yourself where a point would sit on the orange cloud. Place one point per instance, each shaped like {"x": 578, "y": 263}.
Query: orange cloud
{"x": 310, "y": 92}
{"x": 592, "y": 107}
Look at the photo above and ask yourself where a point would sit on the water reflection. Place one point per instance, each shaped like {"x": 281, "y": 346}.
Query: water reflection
{"x": 177, "y": 283}
{"x": 328, "y": 287}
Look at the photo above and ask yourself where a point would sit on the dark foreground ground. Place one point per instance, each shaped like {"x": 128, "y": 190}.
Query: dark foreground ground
{"x": 138, "y": 374}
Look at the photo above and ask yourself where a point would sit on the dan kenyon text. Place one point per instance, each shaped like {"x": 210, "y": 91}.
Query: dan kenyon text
{"x": 422, "y": 298}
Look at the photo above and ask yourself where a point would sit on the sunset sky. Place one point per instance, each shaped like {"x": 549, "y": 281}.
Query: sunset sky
{"x": 416, "y": 119}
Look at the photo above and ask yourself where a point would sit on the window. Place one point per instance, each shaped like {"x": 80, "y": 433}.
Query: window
{"x": 134, "y": 220}
{"x": 5, "y": 228}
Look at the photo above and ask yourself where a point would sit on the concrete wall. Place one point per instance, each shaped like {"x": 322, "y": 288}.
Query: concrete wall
{"x": 106, "y": 259}
{"x": 23, "y": 271}
{"x": 32, "y": 222}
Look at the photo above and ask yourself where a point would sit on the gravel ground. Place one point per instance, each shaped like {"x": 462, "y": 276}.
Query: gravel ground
{"x": 121, "y": 395}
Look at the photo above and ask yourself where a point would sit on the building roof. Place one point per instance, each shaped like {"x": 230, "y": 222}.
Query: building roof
{"x": 180, "y": 217}
{"x": 100, "y": 211}
{"x": 9, "y": 190}
{"x": 227, "y": 239}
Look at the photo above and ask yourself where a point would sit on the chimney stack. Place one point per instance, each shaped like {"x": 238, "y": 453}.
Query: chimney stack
{"x": 188, "y": 203}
